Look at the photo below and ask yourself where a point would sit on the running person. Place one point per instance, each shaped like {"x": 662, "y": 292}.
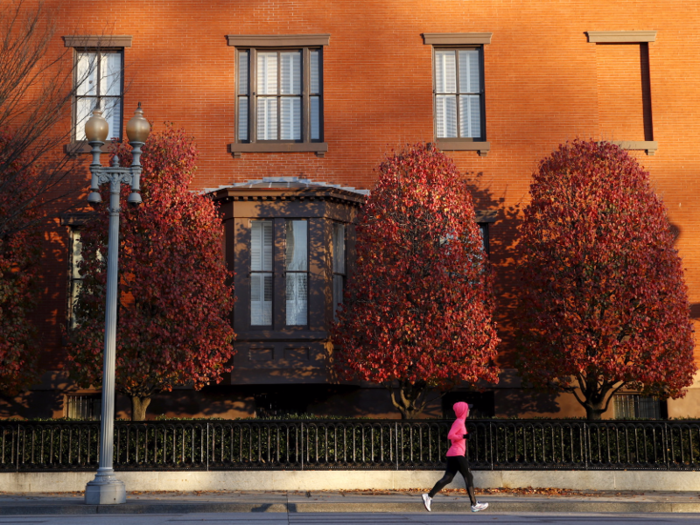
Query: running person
{"x": 456, "y": 462}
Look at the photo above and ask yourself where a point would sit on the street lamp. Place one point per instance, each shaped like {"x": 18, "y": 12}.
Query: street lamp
{"x": 106, "y": 489}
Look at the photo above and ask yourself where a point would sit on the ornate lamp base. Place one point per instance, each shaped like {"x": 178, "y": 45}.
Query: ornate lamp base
{"x": 105, "y": 489}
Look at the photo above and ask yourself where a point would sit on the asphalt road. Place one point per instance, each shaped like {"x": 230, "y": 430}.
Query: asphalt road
{"x": 283, "y": 518}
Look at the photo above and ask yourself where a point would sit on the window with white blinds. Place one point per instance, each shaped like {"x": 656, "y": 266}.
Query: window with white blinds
{"x": 458, "y": 94}
{"x": 261, "y": 259}
{"x": 273, "y": 102}
{"x": 98, "y": 82}
{"x": 338, "y": 242}
{"x": 296, "y": 272}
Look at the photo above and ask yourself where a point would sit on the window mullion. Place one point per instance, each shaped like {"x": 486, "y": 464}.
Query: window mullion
{"x": 305, "y": 90}
{"x": 253, "y": 94}
{"x": 279, "y": 95}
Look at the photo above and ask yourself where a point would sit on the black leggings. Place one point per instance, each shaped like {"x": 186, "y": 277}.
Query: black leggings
{"x": 456, "y": 464}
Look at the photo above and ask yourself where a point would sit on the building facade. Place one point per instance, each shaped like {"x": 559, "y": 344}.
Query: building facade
{"x": 294, "y": 104}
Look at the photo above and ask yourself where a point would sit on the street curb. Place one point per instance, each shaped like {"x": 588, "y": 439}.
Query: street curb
{"x": 559, "y": 506}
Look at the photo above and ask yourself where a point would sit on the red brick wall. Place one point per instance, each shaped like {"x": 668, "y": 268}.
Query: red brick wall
{"x": 544, "y": 82}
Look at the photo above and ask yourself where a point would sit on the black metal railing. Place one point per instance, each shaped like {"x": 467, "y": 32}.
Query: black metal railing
{"x": 352, "y": 444}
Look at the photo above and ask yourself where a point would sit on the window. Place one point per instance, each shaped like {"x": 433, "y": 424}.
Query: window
{"x": 76, "y": 280}
{"x": 458, "y": 87}
{"x": 634, "y": 406}
{"x": 82, "y": 406}
{"x": 458, "y": 94}
{"x": 98, "y": 82}
{"x": 338, "y": 244}
{"x": 261, "y": 273}
{"x": 624, "y": 88}
{"x": 279, "y": 93}
{"x": 296, "y": 276}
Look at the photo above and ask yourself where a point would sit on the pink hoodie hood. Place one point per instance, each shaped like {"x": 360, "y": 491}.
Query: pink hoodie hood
{"x": 456, "y": 433}
{"x": 461, "y": 410}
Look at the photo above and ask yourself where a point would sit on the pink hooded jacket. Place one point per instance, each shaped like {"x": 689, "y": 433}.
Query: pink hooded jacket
{"x": 458, "y": 430}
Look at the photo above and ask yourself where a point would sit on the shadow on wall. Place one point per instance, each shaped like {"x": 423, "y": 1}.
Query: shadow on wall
{"x": 503, "y": 256}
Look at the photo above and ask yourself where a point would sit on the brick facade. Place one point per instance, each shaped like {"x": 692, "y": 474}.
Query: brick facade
{"x": 544, "y": 82}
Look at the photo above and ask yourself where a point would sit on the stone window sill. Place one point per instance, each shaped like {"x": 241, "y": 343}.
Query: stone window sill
{"x": 482, "y": 148}
{"x": 650, "y": 146}
{"x": 319, "y": 148}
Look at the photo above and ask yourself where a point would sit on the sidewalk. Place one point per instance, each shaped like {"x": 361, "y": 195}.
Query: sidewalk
{"x": 377, "y": 501}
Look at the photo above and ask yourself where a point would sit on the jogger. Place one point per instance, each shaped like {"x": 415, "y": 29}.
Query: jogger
{"x": 456, "y": 460}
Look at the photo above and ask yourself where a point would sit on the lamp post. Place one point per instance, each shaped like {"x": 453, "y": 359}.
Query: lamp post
{"x": 106, "y": 489}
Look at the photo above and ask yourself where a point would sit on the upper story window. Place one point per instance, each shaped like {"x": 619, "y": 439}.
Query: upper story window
{"x": 458, "y": 94}
{"x": 279, "y": 93}
{"x": 458, "y": 90}
{"x": 624, "y": 88}
{"x": 98, "y": 78}
{"x": 98, "y": 81}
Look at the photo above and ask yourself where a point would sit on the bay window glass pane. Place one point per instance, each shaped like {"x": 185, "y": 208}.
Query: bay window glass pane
{"x": 267, "y": 73}
{"x": 315, "y": 118}
{"x": 267, "y": 118}
{"x": 111, "y": 74}
{"x": 469, "y": 116}
{"x": 445, "y": 72}
{"x": 290, "y": 118}
{"x": 296, "y": 249}
{"x": 315, "y": 66}
{"x": 297, "y": 299}
{"x": 243, "y": 73}
{"x": 446, "y": 115}
{"x": 261, "y": 246}
{"x": 296, "y": 264}
{"x": 469, "y": 81}
{"x": 290, "y": 73}
{"x": 260, "y": 299}
{"x": 242, "y": 118}
{"x": 337, "y": 291}
{"x": 339, "y": 248}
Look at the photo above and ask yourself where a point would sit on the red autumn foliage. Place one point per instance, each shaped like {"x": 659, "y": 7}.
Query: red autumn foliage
{"x": 605, "y": 303}
{"x": 20, "y": 245}
{"x": 418, "y": 305}
{"x": 175, "y": 294}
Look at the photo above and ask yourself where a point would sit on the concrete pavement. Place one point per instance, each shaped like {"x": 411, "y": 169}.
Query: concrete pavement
{"x": 348, "y": 502}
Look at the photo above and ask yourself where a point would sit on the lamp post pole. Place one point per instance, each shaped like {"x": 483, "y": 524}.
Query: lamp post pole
{"x": 106, "y": 489}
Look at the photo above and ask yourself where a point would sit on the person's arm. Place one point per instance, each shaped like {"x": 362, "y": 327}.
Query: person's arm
{"x": 456, "y": 432}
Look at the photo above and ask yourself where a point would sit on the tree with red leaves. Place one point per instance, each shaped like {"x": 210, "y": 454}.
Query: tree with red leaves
{"x": 175, "y": 292}
{"x": 418, "y": 306}
{"x": 20, "y": 249}
{"x": 605, "y": 305}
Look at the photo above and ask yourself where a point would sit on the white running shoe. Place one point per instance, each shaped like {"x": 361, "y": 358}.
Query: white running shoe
{"x": 479, "y": 506}
{"x": 427, "y": 500}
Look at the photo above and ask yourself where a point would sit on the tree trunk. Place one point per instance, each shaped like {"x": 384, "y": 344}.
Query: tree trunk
{"x": 594, "y": 411}
{"x": 138, "y": 407}
{"x": 408, "y": 402}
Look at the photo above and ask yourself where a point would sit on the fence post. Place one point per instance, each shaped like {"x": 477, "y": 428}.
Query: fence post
{"x": 586, "y": 443}
{"x": 491, "y": 443}
{"x": 396, "y": 442}
{"x": 207, "y": 450}
{"x": 17, "y": 452}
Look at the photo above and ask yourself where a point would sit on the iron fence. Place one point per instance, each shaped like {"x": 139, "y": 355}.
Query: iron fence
{"x": 352, "y": 444}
